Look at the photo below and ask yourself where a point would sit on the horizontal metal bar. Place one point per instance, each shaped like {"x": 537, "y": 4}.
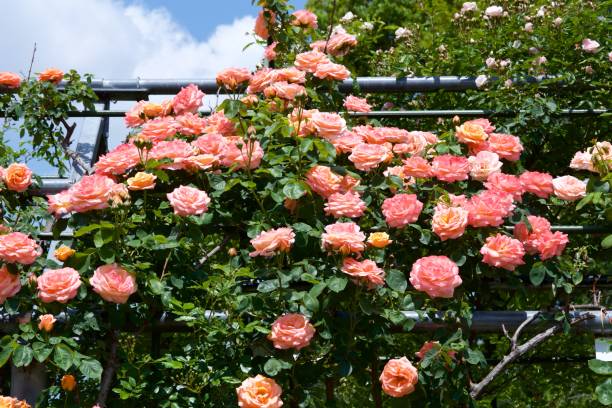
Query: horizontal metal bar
{"x": 576, "y": 229}
{"x": 52, "y": 185}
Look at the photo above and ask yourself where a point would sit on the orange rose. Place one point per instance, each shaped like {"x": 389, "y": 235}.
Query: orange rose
{"x": 64, "y": 252}
{"x": 51, "y": 75}
{"x": 152, "y": 109}
{"x": 379, "y": 239}
{"x": 68, "y": 382}
{"x": 399, "y": 377}
{"x": 259, "y": 392}
{"x": 46, "y": 322}
{"x": 9, "y": 80}
{"x": 141, "y": 181}
{"x": 471, "y": 133}
{"x": 10, "y": 402}
{"x": 17, "y": 177}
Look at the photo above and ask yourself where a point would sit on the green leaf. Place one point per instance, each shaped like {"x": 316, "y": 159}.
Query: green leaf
{"x": 63, "y": 357}
{"x": 22, "y": 356}
{"x": 311, "y": 303}
{"x": 274, "y": 366}
{"x": 337, "y": 283}
{"x": 607, "y": 242}
{"x": 396, "y": 280}
{"x": 41, "y": 351}
{"x": 601, "y": 367}
{"x": 6, "y": 352}
{"x": 604, "y": 392}
{"x": 475, "y": 357}
{"x": 537, "y": 273}
{"x": 91, "y": 369}
{"x": 268, "y": 286}
{"x": 294, "y": 189}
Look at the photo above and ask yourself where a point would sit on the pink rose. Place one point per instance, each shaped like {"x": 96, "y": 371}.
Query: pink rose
{"x": 506, "y": 146}
{"x": 449, "y": 222}
{"x": 397, "y": 135}
{"x": 59, "y": 204}
{"x": 190, "y": 124}
{"x": 486, "y": 125}
{"x": 260, "y": 79}
{"x": 343, "y": 237}
{"x": 399, "y": 377}
{"x": 270, "y": 243}
{"x": 17, "y": 247}
{"x": 58, "y": 285}
{"x": 483, "y": 165}
{"x": 414, "y": 144}
{"x": 323, "y": 181}
{"x": 265, "y": 19}
{"x": 438, "y": 276}
{"x": 590, "y": 46}
{"x": 328, "y": 124}
{"x": 113, "y": 283}
{"x": 551, "y": 244}
{"x": 284, "y": 90}
{"x": 10, "y": 284}
{"x": 304, "y": 18}
{"x": 291, "y": 331}
{"x": 494, "y": 11}
{"x": 212, "y": 143}
{"x": 175, "y": 150}
{"x": 188, "y": 201}
{"x": 135, "y": 116}
{"x": 310, "y": 60}
{"x": 531, "y": 237}
{"x": 242, "y": 154}
{"x": 346, "y": 141}
{"x": 370, "y": 134}
{"x": 259, "y": 392}
{"x": 330, "y": 70}
{"x": 507, "y": 183}
{"x": 189, "y": 99}
{"x": 368, "y": 156}
{"x": 231, "y": 78}
{"x": 569, "y": 188}
{"x": 270, "y": 51}
{"x": 9, "y": 80}
{"x": 471, "y": 133}
{"x": 17, "y": 177}
{"x": 502, "y": 251}
{"x": 340, "y": 43}
{"x": 417, "y": 166}
{"x": 355, "y": 104}
{"x": 289, "y": 74}
{"x": 428, "y": 345}
{"x": 91, "y": 193}
{"x": 158, "y": 129}
{"x": 118, "y": 161}
{"x": 365, "y": 272}
{"x": 489, "y": 208}
{"x": 345, "y": 205}
{"x": 450, "y": 168}
{"x": 583, "y": 161}
{"x": 537, "y": 183}
{"x": 401, "y": 210}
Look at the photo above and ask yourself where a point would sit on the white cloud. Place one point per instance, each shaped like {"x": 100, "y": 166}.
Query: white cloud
{"x": 113, "y": 40}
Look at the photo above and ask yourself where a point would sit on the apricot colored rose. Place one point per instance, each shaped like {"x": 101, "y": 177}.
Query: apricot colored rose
{"x": 364, "y": 273}
{"x": 135, "y": 115}
{"x": 330, "y": 70}
{"x": 284, "y": 90}
{"x": 368, "y": 156}
{"x": 68, "y": 382}
{"x": 58, "y": 285}
{"x": 113, "y": 283}
{"x": 270, "y": 51}
{"x": 16, "y": 247}
{"x": 483, "y": 165}
{"x": 142, "y": 181}
{"x": 399, "y": 377}
{"x": 416, "y": 166}
{"x": 291, "y": 331}
{"x": 190, "y": 124}
{"x": 187, "y": 200}
{"x": 436, "y": 275}
{"x": 346, "y": 141}
{"x": 355, "y": 104}
{"x": 379, "y": 239}
{"x": 502, "y": 251}
{"x": 59, "y": 204}
{"x": 17, "y": 177}
{"x": 508, "y": 147}
{"x": 340, "y": 43}
{"x": 486, "y": 125}
{"x": 489, "y": 208}
{"x": 219, "y": 123}
{"x": 260, "y": 80}
{"x": 91, "y": 193}
{"x": 63, "y": 253}
{"x": 51, "y": 75}
{"x": 531, "y": 237}
{"x": 343, "y": 237}
{"x": 583, "y": 161}
{"x": 290, "y": 74}
{"x": 10, "y": 284}
{"x": 310, "y": 60}
{"x": 569, "y": 188}
{"x": 158, "y": 129}
{"x": 450, "y": 168}
{"x": 507, "y": 183}
{"x": 328, "y": 124}
{"x": 259, "y": 392}
{"x": 10, "y": 402}
{"x": 242, "y": 154}
{"x": 348, "y": 205}
{"x": 10, "y": 80}
{"x": 449, "y": 222}
{"x": 537, "y": 183}
{"x": 152, "y": 109}
{"x": 212, "y": 143}
{"x": 46, "y": 322}
{"x": 231, "y": 78}
{"x": 323, "y": 181}
{"x": 304, "y": 18}
{"x": 265, "y": 19}
{"x": 119, "y": 160}
{"x": 272, "y": 242}
{"x": 471, "y": 133}
{"x": 413, "y": 144}
{"x": 551, "y": 244}
{"x": 401, "y": 210}
{"x": 176, "y": 150}
{"x": 189, "y": 99}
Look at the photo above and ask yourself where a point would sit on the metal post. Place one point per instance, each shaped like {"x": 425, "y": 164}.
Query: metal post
{"x": 28, "y": 382}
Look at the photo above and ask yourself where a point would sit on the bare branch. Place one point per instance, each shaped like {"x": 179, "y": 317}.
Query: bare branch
{"x": 517, "y": 333}
{"x": 214, "y": 250}
{"x": 109, "y": 371}
{"x": 32, "y": 61}
{"x": 69, "y": 152}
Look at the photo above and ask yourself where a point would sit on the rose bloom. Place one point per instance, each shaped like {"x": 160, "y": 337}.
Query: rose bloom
{"x": 17, "y": 247}
{"x": 212, "y": 143}
{"x": 328, "y": 124}
{"x": 483, "y": 165}
{"x": 551, "y": 244}
{"x": 231, "y": 78}
{"x": 190, "y": 124}
{"x": 331, "y": 70}
{"x": 569, "y": 188}
{"x": 10, "y": 402}
{"x": 91, "y": 193}
{"x": 346, "y": 141}
{"x": 289, "y": 74}
{"x": 290, "y": 205}
{"x": 59, "y": 285}
{"x": 379, "y": 239}
{"x": 416, "y": 166}
{"x": 494, "y": 11}
{"x": 340, "y": 43}
{"x": 537, "y": 183}
{"x": 17, "y": 177}
{"x": 270, "y": 51}
{"x": 260, "y": 79}
{"x": 10, "y": 284}
{"x": 113, "y": 283}
{"x": 152, "y": 109}
{"x": 428, "y": 345}
{"x": 450, "y": 168}
{"x": 68, "y": 382}
{"x": 323, "y": 181}
{"x": 501, "y": 251}
{"x": 399, "y": 377}
{"x": 51, "y": 75}
{"x": 175, "y": 150}
{"x": 189, "y": 99}
{"x": 10, "y": 80}
{"x": 507, "y": 183}
{"x": 436, "y": 275}
{"x": 348, "y": 205}
{"x": 249, "y": 154}
{"x": 261, "y": 25}
{"x": 414, "y": 144}
{"x": 284, "y": 90}
{"x": 270, "y": 243}
{"x": 471, "y": 133}
{"x": 590, "y": 46}
{"x": 134, "y": 116}
{"x": 343, "y": 237}
{"x": 484, "y": 123}
{"x": 532, "y": 237}
{"x": 310, "y": 60}
{"x": 368, "y": 156}
{"x": 46, "y": 322}
{"x": 291, "y": 331}
{"x": 63, "y": 253}
{"x": 401, "y": 209}
{"x": 370, "y": 134}
{"x": 141, "y": 181}
{"x": 259, "y": 392}
{"x": 508, "y": 147}
{"x": 158, "y": 129}
{"x": 397, "y": 135}
{"x": 118, "y": 161}
{"x": 364, "y": 273}
{"x": 449, "y": 222}
{"x": 188, "y": 201}
{"x": 304, "y": 18}
{"x": 355, "y": 104}
{"x": 583, "y": 161}
{"x": 489, "y": 208}
{"x": 59, "y": 204}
